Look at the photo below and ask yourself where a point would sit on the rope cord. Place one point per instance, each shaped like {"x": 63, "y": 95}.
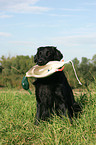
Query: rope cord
{"x": 75, "y": 71}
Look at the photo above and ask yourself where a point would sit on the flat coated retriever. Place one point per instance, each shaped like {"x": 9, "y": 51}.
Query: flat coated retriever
{"x": 53, "y": 93}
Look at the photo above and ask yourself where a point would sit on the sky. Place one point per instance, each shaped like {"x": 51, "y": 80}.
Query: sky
{"x": 70, "y": 25}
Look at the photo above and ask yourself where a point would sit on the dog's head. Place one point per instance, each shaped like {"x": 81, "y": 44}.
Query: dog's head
{"x": 46, "y": 54}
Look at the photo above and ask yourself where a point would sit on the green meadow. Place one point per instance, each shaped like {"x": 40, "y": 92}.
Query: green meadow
{"x": 17, "y": 115}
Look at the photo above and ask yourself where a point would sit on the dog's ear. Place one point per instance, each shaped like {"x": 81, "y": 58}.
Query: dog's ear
{"x": 35, "y": 58}
{"x": 57, "y": 54}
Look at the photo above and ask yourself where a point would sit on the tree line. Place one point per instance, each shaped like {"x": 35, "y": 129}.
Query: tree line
{"x": 12, "y": 70}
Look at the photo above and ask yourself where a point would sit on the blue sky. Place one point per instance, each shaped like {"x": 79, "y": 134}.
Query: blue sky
{"x": 70, "y": 25}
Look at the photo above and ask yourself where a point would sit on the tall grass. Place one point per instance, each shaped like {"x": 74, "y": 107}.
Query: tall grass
{"x": 17, "y": 122}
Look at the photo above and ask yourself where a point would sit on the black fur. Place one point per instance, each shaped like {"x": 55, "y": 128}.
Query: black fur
{"x": 53, "y": 93}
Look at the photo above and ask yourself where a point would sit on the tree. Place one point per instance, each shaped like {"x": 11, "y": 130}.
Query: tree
{"x": 94, "y": 62}
{"x": 85, "y": 70}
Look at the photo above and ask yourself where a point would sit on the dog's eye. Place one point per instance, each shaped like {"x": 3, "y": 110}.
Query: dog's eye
{"x": 47, "y": 53}
{"x": 40, "y": 53}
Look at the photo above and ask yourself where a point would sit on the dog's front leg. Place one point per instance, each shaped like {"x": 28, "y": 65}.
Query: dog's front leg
{"x": 38, "y": 116}
{"x": 43, "y": 112}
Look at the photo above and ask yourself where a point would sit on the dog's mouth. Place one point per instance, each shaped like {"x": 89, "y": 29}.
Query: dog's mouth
{"x": 41, "y": 62}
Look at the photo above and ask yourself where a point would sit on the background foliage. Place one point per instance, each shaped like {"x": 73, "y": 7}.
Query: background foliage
{"x": 18, "y": 108}
{"x": 14, "y": 68}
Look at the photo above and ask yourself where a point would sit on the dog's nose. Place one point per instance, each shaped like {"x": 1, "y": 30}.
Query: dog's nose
{"x": 40, "y": 62}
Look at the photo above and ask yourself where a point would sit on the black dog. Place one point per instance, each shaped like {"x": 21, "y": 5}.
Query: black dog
{"x": 53, "y": 93}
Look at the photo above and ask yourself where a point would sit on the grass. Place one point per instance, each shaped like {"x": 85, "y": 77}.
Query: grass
{"x": 17, "y": 127}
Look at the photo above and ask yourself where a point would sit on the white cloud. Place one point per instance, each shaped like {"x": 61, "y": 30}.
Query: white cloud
{"x": 67, "y": 9}
{"x": 4, "y": 34}
{"x": 6, "y": 16}
{"x": 24, "y": 43}
{"x": 3, "y": 15}
{"x": 21, "y": 6}
{"x": 60, "y": 15}
{"x": 90, "y": 3}
{"x": 76, "y": 40}
{"x": 13, "y": 2}
{"x": 27, "y": 9}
